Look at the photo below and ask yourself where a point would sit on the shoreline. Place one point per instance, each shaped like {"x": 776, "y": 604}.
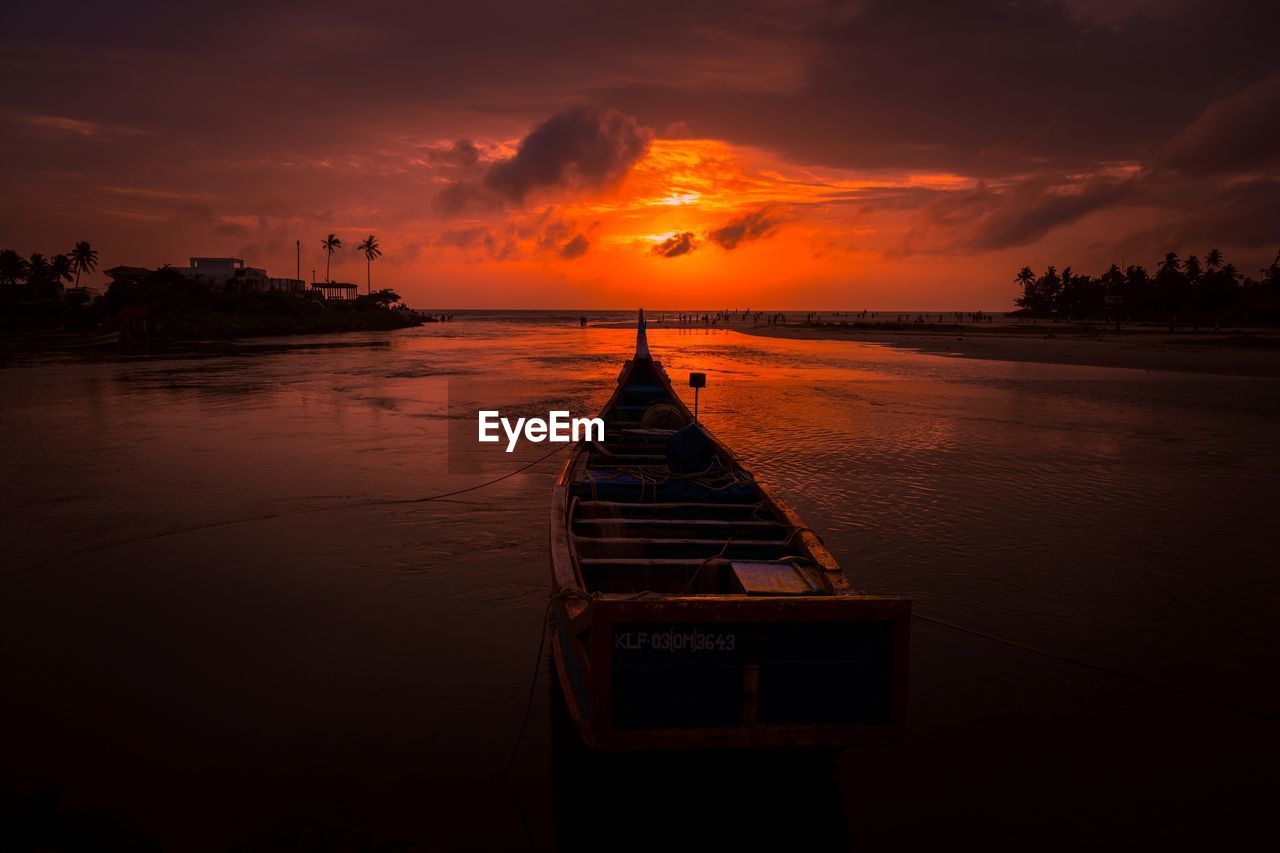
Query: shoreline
{"x": 201, "y": 326}
{"x": 1244, "y": 352}
{"x": 1235, "y": 353}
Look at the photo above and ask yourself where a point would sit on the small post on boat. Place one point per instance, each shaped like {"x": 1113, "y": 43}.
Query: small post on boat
{"x": 642, "y": 340}
{"x": 697, "y": 381}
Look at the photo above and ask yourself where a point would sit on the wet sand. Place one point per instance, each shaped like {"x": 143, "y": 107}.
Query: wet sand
{"x": 1235, "y": 353}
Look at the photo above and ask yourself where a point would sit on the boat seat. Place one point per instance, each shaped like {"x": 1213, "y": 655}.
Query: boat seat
{"x": 611, "y": 485}
{"x": 619, "y": 547}
{"x": 686, "y": 509}
{"x": 616, "y": 521}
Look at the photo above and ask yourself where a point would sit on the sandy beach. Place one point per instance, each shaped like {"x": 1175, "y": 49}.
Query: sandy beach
{"x": 1237, "y": 352}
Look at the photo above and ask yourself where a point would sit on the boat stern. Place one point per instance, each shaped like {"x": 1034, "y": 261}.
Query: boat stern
{"x": 729, "y": 672}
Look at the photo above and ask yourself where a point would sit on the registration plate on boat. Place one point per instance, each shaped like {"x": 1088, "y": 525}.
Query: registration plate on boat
{"x": 675, "y": 640}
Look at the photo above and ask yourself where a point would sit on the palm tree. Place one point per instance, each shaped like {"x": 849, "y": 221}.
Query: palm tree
{"x": 1213, "y": 260}
{"x": 83, "y": 259}
{"x": 331, "y": 244}
{"x": 1049, "y": 287}
{"x": 1192, "y": 268}
{"x": 39, "y": 275}
{"x": 371, "y": 251}
{"x": 38, "y": 270}
{"x": 1026, "y": 279}
{"x": 13, "y": 267}
{"x": 61, "y": 268}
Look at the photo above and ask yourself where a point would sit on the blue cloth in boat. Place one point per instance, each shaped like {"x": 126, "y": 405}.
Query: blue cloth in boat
{"x": 690, "y": 451}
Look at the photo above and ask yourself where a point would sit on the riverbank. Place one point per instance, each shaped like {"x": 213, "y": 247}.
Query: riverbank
{"x": 308, "y": 319}
{"x": 1235, "y": 353}
{"x": 185, "y": 320}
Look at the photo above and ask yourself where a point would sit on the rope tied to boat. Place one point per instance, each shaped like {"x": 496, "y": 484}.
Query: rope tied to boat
{"x": 271, "y": 516}
{"x": 708, "y": 561}
{"x": 561, "y": 595}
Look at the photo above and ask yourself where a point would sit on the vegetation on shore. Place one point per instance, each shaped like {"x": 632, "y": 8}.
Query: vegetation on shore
{"x": 182, "y": 309}
{"x": 43, "y": 277}
{"x": 178, "y": 308}
{"x": 1187, "y": 291}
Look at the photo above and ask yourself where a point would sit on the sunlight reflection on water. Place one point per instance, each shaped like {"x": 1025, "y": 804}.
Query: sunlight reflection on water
{"x": 1031, "y": 500}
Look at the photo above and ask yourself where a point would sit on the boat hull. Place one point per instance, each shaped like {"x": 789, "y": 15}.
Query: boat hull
{"x": 853, "y": 693}
{"x": 694, "y": 609}
{"x": 726, "y": 672}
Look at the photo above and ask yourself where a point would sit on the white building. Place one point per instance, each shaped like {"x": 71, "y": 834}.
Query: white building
{"x": 232, "y": 274}
{"x": 224, "y": 274}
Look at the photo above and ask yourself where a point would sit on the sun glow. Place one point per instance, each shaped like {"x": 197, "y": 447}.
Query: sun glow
{"x": 694, "y": 220}
{"x": 679, "y": 199}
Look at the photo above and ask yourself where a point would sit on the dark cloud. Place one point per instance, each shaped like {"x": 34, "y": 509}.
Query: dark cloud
{"x": 518, "y": 238}
{"x": 459, "y": 196}
{"x": 482, "y": 242}
{"x": 575, "y": 248}
{"x": 462, "y": 154}
{"x": 199, "y": 214}
{"x": 547, "y": 229}
{"x": 987, "y": 218}
{"x": 992, "y": 89}
{"x": 742, "y": 229}
{"x": 1033, "y": 210}
{"x": 982, "y": 87}
{"x": 579, "y": 147}
{"x": 988, "y": 87}
{"x": 676, "y": 245}
{"x": 1236, "y": 135}
{"x": 1246, "y": 215}
{"x": 231, "y": 229}
{"x": 463, "y": 238}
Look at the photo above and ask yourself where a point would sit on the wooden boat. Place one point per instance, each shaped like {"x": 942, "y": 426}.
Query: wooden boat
{"x": 692, "y": 608}
{"x": 64, "y": 340}
{"x": 130, "y": 325}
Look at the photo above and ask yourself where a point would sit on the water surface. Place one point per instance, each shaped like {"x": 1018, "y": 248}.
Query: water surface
{"x": 211, "y": 629}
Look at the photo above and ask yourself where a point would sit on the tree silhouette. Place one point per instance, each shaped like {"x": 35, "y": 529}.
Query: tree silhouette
{"x": 38, "y": 269}
{"x": 61, "y": 267}
{"x": 1026, "y": 279}
{"x": 1171, "y": 284}
{"x": 385, "y": 298}
{"x": 372, "y": 251}
{"x": 1049, "y": 286}
{"x": 1215, "y": 288}
{"x": 83, "y": 259}
{"x": 1191, "y": 268}
{"x": 331, "y": 244}
{"x": 40, "y": 276}
{"x": 13, "y": 267}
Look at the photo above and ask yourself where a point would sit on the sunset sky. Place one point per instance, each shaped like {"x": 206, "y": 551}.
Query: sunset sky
{"x": 675, "y": 154}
